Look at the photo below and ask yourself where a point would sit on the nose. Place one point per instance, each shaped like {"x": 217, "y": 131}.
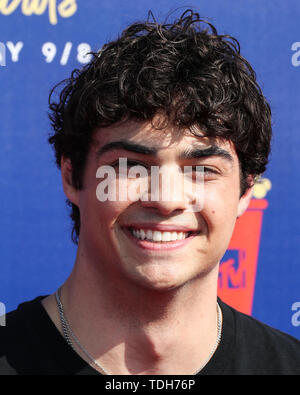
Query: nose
{"x": 166, "y": 192}
{"x": 165, "y": 207}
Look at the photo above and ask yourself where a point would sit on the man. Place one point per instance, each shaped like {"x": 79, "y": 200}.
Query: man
{"x": 142, "y": 296}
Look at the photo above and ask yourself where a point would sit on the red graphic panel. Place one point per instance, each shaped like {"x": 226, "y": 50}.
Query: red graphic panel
{"x": 238, "y": 266}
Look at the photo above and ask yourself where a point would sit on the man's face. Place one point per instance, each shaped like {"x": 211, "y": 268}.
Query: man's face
{"x": 158, "y": 244}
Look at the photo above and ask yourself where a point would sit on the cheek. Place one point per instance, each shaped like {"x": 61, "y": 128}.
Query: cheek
{"x": 111, "y": 211}
{"x": 100, "y": 214}
{"x": 220, "y": 209}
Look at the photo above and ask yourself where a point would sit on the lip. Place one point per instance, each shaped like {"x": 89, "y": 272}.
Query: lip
{"x": 165, "y": 246}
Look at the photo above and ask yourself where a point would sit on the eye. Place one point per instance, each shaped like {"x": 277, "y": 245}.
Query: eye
{"x": 128, "y": 164}
{"x": 131, "y": 163}
{"x": 209, "y": 170}
{"x": 206, "y": 172}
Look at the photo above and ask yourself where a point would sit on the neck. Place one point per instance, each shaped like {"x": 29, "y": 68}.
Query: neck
{"x": 172, "y": 325}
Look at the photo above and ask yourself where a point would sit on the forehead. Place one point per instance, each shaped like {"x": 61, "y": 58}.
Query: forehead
{"x": 163, "y": 141}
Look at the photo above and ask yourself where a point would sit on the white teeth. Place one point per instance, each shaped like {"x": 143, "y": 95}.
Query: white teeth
{"x": 149, "y": 234}
{"x": 158, "y": 236}
{"x": 142, "y": 234}
{"x": 166, "y": 236}
{"x": 139, "y": 233}
{"x": 173, "y": 236}
{"x": 181, "y": 236}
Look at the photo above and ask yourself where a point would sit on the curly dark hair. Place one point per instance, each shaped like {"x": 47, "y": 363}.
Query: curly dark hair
{"x": 184, "y": 70}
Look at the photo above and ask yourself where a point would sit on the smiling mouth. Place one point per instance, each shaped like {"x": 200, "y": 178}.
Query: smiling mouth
{"x": 156, "y": 236}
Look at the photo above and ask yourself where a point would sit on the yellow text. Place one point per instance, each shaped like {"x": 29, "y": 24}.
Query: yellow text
{"x": 66, "y": 8}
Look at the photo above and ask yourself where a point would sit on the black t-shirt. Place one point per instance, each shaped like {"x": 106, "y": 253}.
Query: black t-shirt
{"x": 30, "y": 344}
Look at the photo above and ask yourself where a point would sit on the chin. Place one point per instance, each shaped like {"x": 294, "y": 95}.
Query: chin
{"x": 156, "y": 279}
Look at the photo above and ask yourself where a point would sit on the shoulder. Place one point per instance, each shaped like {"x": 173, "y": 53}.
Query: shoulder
{"x": 259, "y": 331}
{"x": 17, "y": 337}
{"x": 262, "y": 349}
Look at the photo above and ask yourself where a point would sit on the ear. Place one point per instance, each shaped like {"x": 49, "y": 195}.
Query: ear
{"x": 245, "y": 200}
{"x": 66, "y": 173}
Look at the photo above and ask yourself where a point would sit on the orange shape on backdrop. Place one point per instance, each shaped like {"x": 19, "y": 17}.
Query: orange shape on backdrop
{"x": 238, "y": 267}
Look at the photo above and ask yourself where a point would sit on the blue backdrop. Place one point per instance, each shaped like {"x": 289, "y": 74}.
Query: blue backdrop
{"x": 40, "y": 47}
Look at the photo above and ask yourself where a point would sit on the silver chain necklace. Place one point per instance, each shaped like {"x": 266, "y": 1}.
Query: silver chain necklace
{"x": 68, "y": 333}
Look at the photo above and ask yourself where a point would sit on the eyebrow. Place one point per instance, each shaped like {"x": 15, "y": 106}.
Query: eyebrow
{"x": 212, "y": 150}
{"x": 128, "y": 146}
{"x": 193, "y": 153}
